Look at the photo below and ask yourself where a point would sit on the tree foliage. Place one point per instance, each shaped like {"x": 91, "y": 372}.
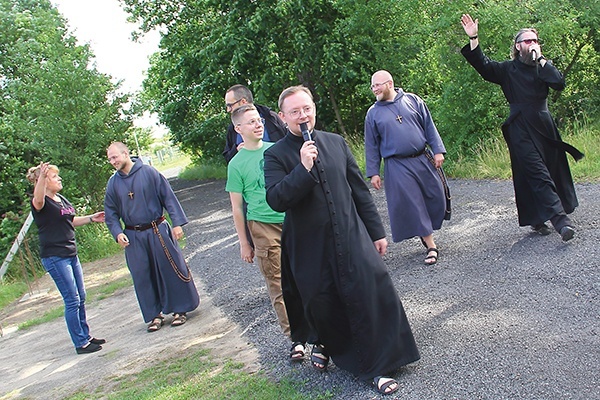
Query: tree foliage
{"x": 333, "y": 47}
{"x": 55, "y": 106}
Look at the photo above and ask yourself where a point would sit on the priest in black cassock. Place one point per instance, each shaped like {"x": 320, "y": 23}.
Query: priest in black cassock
{"x": 542, "y": 179}
{"x": 336, "y": 287}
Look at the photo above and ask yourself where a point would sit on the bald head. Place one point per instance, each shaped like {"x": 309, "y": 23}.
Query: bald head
{"x": 382, "y": 76}
{"x": 118, "y": 156}
{"x": 382, "y": 86}
{"x": 119, "y": 146}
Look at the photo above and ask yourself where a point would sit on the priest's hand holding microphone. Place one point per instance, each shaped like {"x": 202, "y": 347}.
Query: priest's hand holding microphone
{"x": 308, "y": 152}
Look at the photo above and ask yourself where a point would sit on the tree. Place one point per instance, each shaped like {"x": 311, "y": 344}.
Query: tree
{"x": 333, "y": 47}
{"x": 55, "y": 106}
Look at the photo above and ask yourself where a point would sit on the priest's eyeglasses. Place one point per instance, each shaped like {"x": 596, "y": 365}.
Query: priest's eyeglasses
{"x": 308, "y": 110}
{"x": 254, "y": 121}
{"x": 378, "y": 85}
{"x": 528, "y": 41}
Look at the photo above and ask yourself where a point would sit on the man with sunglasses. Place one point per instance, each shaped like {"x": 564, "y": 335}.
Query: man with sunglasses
{"x": 237, "y": 96}
{"x": 542, "y": 179}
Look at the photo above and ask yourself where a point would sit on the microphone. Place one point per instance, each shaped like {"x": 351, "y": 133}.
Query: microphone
{"x": 305, "y": 133}
{"x": 534, "y": 55}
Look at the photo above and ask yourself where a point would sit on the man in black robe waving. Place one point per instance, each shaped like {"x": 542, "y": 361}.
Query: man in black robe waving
{"x": 336, "y": 287}
{"x": 542, "y": 179}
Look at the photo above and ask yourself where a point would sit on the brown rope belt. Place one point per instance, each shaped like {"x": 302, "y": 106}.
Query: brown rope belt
{"x": 442, "y": 176}
{"x": 170, "y": 258}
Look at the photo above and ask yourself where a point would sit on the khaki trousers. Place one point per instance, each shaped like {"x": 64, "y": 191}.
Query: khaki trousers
{"x": 267, "y": 248}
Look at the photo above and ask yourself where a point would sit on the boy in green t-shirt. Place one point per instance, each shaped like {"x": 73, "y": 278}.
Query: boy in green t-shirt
{"x": 246, "y": 182}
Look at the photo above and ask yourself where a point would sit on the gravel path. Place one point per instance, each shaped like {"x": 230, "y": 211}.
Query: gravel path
{"x": 505, "y": 314}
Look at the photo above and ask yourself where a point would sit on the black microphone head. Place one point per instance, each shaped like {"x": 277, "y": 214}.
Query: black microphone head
{"x": 305, "y": 132}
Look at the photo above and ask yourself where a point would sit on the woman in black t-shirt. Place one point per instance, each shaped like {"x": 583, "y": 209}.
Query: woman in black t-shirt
{"x": 56, "y": 222}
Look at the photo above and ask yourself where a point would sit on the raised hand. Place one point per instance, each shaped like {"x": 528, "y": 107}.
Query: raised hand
{"x": 471, "y": 27}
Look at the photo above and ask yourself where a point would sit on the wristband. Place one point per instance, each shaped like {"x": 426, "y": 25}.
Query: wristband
{"x": 91, "y": 220}
{"x": 473, "y": 37}
{"x": 540, "y": 58}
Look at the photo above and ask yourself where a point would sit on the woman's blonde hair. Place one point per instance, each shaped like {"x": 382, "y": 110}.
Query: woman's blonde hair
{"x": 34, "y": 172}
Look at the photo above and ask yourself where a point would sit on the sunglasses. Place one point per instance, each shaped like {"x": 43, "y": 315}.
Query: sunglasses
{"x": 528, "y": 41}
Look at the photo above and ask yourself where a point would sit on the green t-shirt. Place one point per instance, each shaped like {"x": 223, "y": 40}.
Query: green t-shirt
{"x": 245, "y": 175}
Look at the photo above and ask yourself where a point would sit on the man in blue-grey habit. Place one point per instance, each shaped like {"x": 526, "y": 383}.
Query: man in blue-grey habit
{"x": 138, "y": 194}
{"x": 399, "y": 129}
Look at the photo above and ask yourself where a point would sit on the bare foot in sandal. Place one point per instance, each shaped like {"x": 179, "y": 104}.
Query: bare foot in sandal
{"x": 156, "y": 323}
{"x": 319, "y": 357}
{"x": 432, "y": 256}
{"x": 178, "y": 319}
{"x": 297, "y": 351}
{"x": 385, "y": 385}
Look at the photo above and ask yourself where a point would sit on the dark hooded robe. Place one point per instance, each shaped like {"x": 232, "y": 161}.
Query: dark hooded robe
{"x": 541, "y": 175}
{"x": 162, "y": 283}
{"x": 335, "y": 284}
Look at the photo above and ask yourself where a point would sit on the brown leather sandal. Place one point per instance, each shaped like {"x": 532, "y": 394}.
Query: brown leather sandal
{"x": 178, "y": 319}
{"x": 156, "y": 324}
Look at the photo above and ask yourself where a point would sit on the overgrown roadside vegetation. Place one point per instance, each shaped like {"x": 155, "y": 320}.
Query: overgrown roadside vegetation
{"x": 487, "y": 160}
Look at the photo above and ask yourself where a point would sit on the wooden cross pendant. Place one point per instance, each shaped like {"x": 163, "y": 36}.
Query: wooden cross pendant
{"x": 399, "y": 118}
{"x": 130, "y": 194}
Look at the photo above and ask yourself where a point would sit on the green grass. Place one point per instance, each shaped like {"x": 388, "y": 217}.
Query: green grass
{"x": 48, "y": 316}
{"x": 178, "y": 160}
{"x": 94, "y": 294}
{"x": 586, "y": 138}
{"x": 107, "y": 290}
{"x": 197, "y": 375}
{"x": 491, "y": 160}
{"x": 208, "y": 171}
{"x": 94, "y": 242}
{"x": 192, "y": 376}
{"x": 9, "y": 292}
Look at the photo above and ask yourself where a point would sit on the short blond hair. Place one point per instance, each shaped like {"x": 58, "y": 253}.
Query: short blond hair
{"x": 33, "y": 173}
{"x": 293, "y": 90}
{"x": 238, "y": 113}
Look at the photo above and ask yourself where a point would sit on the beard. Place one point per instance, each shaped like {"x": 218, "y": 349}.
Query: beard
{"x": 386, "y": 94}
{"x": 527, "y": 58}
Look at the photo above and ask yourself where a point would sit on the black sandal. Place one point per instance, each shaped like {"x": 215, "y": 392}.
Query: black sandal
{"x": 296, "y": 354}
{"x": 383, "y": 388}
{"x": 432, "y": 257}
{"x": 319, "y": 357}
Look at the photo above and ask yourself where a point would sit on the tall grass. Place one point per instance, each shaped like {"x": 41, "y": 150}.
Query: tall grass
{"x": 94, "y": 242}
{"x": 585, "y": 136}
{"x": 11, "y": 291}
{"x": 490, "y": 159}
{"x": 205, "y": 171}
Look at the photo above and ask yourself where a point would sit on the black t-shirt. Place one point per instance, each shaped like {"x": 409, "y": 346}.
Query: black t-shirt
{"x": 55, "y": 228}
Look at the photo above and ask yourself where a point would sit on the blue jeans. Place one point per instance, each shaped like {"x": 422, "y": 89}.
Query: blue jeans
{"x": 68, "y": 277}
